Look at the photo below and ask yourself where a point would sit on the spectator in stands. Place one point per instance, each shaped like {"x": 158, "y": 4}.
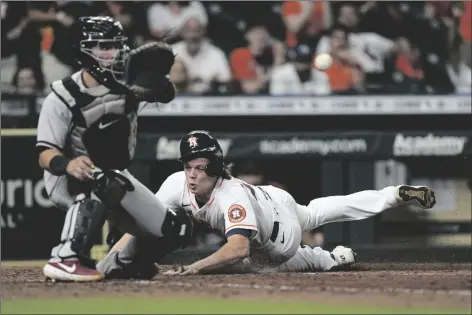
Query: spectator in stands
{"x": 207, "y": 65}
{"x": 118, "y": 10}
{"x": 458, "y": 71}
{"x": 305, "y": 21}
{"x": 36, "y": 36}
{"x": 465, "y": 26}
{"x": 75, "y": 9}
{"x": 431, "y": 35}
{"x": 67, "y": 12}
{"x": 408, "y": 77}
{"x": 40, "y": 38}
{"x": 179, "y": 76}
{"x": 167, "y": 19}
{"x": 25, "y": 81}
{"x": 252, "y": 65}
{"x": 121, "y": 11}
{"x": 348, "y": 16}
{"x": 388, "y": 19}
{"x": 345, "y": 76}
{"x": 14, "y": 21}
{"x": 370, "y": 49}
{"x": 298, "y": 77}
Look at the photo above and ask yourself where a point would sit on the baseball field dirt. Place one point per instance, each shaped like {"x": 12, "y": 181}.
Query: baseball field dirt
{"x": 367, "y": 288}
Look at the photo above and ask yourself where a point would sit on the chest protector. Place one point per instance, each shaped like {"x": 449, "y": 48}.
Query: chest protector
{"x": 105, "y": 126}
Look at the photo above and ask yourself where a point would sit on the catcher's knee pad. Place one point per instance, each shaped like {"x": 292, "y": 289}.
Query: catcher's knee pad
{"x": 90, "y": 217}
{"x": 110, "y": 187}
{"x": 178, "y": 227}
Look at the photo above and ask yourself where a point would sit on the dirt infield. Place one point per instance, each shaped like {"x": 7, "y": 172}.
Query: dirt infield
{"x": 407, "y": 285}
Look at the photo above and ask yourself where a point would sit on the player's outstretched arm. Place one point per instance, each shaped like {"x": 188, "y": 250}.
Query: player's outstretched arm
{"x": 233, "y": 252}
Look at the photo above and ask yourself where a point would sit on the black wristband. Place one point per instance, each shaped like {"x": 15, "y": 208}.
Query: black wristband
{"x": 58, "y": 165}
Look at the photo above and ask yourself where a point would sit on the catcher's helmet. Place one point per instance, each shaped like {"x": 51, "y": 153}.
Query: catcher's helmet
{"x": 100, "y": 46}
{"x": 200, "y": 143}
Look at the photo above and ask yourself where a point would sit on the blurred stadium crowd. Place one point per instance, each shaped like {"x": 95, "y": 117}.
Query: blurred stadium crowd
{"x": 259, "y": 47}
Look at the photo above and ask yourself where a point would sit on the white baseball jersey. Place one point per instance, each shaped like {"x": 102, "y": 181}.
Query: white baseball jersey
{"x": 275, "y": 231}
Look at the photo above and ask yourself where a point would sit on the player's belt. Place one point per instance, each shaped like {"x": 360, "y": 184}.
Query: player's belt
{"x": 275, "y": 231}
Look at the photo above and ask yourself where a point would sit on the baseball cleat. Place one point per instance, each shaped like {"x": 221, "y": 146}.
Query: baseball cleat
{"x": 344, "y": 256}
{"x": 422, "y": 195}
{"x": 70, "y": 271}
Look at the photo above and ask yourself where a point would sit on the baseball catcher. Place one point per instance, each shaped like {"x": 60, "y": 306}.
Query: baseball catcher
{"x": 263, "y": 224}
{"x": 86, "y": 141}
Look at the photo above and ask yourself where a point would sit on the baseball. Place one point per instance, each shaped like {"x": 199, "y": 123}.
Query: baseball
{"x": 323, "y": 62}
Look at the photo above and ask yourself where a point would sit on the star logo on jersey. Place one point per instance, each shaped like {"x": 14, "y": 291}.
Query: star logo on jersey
{"x": 192, "y": 142}
{"x": 236, "y": 213}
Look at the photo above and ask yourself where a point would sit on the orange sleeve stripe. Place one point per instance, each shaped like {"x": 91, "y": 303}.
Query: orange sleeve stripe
{"x": 248, "y": 226}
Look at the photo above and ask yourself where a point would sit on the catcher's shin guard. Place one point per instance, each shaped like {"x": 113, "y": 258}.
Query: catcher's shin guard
{"x": 90, "y": 216}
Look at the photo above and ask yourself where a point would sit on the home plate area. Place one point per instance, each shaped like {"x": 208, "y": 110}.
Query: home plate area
{"x": 430, "y": 285}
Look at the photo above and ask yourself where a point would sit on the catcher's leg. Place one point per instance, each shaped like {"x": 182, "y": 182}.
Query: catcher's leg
{"x": 131, "y": 257}
{"x": 150, "y": 215}
{"x": 361, "y": 205}
{"x": 83, "y": 220}
{"x": 136, "y": 256}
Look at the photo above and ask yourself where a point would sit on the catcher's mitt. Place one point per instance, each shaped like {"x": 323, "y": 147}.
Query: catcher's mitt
{"x": 147, "y": 72}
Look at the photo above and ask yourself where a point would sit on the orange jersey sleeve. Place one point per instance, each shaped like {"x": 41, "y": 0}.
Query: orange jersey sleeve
{"x": 291, "y": 8}
{"x": 465, "y": 22}
{"x": 340, "y": 77}
{"x": 243, "y": 64}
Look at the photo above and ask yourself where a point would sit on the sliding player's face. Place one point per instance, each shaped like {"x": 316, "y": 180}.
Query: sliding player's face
{"x": 199, "y": 183}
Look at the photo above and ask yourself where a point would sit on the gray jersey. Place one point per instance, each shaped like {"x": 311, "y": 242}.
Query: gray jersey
{"x": 72, "y": 114}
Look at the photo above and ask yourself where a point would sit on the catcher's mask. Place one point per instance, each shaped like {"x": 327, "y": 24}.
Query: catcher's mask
{"x": 199, "y": 143}
{"x": 100, "y": 45}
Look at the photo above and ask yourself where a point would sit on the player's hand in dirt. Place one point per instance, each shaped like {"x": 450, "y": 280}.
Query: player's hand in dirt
{"x": 181, "y": 271}
{"x": 80, "y": 168}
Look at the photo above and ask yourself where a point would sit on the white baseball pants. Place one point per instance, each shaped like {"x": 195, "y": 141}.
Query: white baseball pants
{"x": 295, "y": 218}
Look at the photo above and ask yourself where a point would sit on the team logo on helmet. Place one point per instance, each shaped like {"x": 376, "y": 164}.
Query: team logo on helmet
{"x": 192, "y": 142}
